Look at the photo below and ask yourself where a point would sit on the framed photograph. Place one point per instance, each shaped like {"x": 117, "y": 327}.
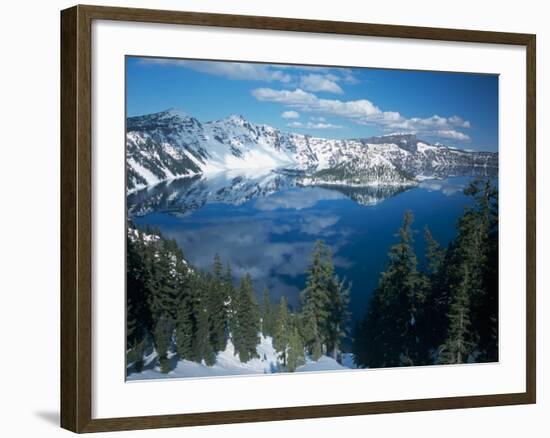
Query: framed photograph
{"x": 268, "y": 218}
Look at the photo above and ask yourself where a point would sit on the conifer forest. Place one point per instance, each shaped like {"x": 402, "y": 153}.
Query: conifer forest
{"x": 435, "y": 308}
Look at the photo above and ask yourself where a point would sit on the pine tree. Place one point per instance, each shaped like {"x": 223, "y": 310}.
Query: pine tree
{"x": 370, "y": 345}
{"x": 339, "y": 315}
{"x": 458, "y": 345}
{"x": 432, "y": 328}
{"x": 268, "y": 316}
{"x": 282, "y": 330}
{"x": 167, "y": 282}
{"x": 246, "y": 325}
{"x": 163, "y": 338}
{"x": 454, "y": 311}
{"x": 388, "y": 336}
{"x": 231, "y": 300}
{"x": 163, "y": 284}
{"x": 473, "y": 300}
{"x": 295, "y": 349}
{"x": 316, "y": 299}
{"x": 202, "y": 348}
{"x": 185, "y": 330}
{"x": 138, "y": 317}
{"x": 216, "y": 307}
{"x": 485, "y": 303}
{"x": 135, "y": 355}
{"x": 435, "y": 255}
{"x": 310, "y": 333}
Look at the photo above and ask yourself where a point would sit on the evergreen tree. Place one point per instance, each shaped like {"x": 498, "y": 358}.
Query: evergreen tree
{"x": 231, "y": 301}
{"x": 388, "y": 336}
{"x": 268, "y": 315}
{"x": 138, "y": 317}
{"x": 163, "y": 338}
{"x": 458, "y": 344}
{"x": 216, "y": 307}
{"x": 447, "y": 314}
{"x": 435, "y": 255}
{"x": 310, "y": 333}
{"x": 202, "y": 348}
{"x": 163, "y": 284}
{"x": 339, "y": 315}
{"x": 472, "y": 275}
{"x": 246, "y": 324}
{"x": 295, "y": 350}
{"x": 134, "y": 355}
{"x": 316, "y": 299}
{"x": 485, "y": 303}
{"x": 432, "y": 328}
{"x": 168, "y": 278}
{"x": 185, "y": 330}
{"x": 282, "y": 330}
{"x": 369, "y": 345}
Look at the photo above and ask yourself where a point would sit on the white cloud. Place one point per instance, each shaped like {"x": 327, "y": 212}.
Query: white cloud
{"x": 295, "y": 125}
{"x": 323, "y": 126}
{"x": 348, "y": 76}
{"x": 365, "y": 112}
{"x": 290, "y": 115}
{"x": 228, "y": 70}
{"x": 362, "y": 111}
{"x": 452, "y": 134}
{"x": 433, "y": 122}
{"x": 459, "y": 122}
{"x": 312, "y": 125}
{"x": 318, "y": 119}
{"x": 316, "y": 82}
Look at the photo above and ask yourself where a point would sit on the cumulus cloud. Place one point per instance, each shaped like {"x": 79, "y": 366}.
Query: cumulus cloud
{"x": 363, "y": 111}
{"x": 290, "y": 115}
{"x": 316, "y": 82}
{"x": 228, "y": 70}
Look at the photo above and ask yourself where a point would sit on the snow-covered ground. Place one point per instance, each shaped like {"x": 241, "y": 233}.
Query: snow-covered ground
{"x": 228, "y": 364}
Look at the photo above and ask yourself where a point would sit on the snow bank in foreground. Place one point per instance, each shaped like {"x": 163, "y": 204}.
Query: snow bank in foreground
{"x": 228, "y": 364}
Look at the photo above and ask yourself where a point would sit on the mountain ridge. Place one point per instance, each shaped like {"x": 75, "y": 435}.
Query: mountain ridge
{"x": 172, "y": 144}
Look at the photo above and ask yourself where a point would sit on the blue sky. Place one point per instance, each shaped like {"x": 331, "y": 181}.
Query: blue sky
{"x": 457, "y": 109}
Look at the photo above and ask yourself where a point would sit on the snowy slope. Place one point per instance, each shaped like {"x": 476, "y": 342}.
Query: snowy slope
{"x": 228, "y": 364}
{"x": 171, "y": 144}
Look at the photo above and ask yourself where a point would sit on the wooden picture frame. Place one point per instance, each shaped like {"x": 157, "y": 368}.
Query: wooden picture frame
{"x": 76, "y": 217}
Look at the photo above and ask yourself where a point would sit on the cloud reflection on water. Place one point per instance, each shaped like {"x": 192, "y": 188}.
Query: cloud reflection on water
{"x": 272, "y": 241}
{"x": 445, "y": 186}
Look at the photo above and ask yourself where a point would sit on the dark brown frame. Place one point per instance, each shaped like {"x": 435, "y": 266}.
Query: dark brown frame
{"x": 76, "y": 225}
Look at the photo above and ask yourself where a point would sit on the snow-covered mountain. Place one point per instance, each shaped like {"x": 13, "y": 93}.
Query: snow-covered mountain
{"x": 171, "y": 144}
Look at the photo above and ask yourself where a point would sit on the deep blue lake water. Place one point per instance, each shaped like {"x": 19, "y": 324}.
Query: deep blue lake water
{"x": 268, "y": 229}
